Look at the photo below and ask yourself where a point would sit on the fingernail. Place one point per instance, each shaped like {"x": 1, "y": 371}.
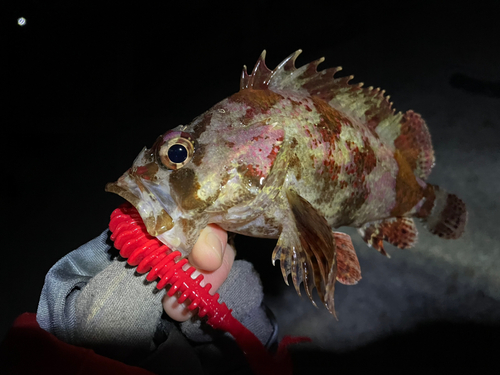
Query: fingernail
{"x": 177, "y": 311}
{"x": 214, "y": 243}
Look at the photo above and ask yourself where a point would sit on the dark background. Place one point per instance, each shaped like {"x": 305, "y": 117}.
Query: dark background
{"x": 86, "y": 87}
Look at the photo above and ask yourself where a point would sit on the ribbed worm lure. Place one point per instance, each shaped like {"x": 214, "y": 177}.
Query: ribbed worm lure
{"x": 150, "y": 255}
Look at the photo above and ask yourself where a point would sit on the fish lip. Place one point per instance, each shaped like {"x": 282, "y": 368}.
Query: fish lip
{"x": 153, "y": 214}
{"x": 114, "y": 187}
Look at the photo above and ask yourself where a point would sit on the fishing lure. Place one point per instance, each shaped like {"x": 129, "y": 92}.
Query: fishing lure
{"x": 160, "y": 262}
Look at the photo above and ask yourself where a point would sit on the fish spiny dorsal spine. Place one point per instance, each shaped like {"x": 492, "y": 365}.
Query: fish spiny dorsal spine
{"x": 407, "y": 132}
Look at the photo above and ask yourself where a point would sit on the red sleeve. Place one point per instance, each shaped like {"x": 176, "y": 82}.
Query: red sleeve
{"x": 28, "y": 349}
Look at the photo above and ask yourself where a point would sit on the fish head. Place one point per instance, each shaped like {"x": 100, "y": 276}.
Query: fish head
{"x": 163, "y": 185}
{"x": 194, "y": 174}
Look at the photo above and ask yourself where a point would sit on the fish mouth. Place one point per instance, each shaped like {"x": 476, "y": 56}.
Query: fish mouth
{"x": 152, "y": 212}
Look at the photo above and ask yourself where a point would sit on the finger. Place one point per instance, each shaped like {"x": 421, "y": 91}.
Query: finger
{"x": 217, "y": 277}
{"x": 180, "y": 312}
{"x": 208, "y": 252}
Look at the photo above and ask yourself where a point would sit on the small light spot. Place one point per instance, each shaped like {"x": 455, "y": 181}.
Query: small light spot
{"x": 21, "y": 21}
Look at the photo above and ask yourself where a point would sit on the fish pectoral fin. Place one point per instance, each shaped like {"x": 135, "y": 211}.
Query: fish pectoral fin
{"x": 398, "y": 231}
{"x": 306, "y": 249}
{"x": 348, "y": 268}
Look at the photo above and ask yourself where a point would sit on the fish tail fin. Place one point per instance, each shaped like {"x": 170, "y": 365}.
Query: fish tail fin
{"x": 444, "y": 214}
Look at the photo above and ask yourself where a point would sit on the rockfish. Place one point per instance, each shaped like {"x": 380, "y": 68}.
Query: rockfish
{"x": 294, "y": 154}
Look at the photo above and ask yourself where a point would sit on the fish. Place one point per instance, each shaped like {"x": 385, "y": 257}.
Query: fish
{"x": 293, "y": 155}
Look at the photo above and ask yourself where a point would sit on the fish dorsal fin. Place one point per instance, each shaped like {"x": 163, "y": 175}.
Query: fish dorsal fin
{"x": 260, "y": 76}
{"x": 306, "y": 249}
{"x": 406, "y": 132}
{"x": 367, "y": 104}
{"x": 414, "y": 143}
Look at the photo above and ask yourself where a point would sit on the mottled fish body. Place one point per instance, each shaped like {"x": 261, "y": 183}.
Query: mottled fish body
{"x": 293, "y": 155}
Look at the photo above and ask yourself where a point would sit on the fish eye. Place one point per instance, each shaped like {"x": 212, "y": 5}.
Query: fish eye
{"x": 176, "y": 151}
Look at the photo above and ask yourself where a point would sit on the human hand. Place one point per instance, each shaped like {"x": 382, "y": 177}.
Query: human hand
{"x": 213, "y": 258}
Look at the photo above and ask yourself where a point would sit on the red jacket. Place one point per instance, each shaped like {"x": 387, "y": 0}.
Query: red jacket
{"x": 28, "y": 349}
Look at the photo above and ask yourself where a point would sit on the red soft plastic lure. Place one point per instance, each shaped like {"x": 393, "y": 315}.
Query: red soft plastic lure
{"x": 150, "y": 254}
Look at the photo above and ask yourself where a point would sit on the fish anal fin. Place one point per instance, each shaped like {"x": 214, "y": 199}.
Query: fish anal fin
{"x": 370, "y": 233}
{"x": 398, "y": 231}
{"x": 306, "y": 250}
{"x": 348, "y": 268}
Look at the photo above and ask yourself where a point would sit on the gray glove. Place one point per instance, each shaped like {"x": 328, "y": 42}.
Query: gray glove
{"x": 118, "y": 312}
{"x": 94, "y": 300}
